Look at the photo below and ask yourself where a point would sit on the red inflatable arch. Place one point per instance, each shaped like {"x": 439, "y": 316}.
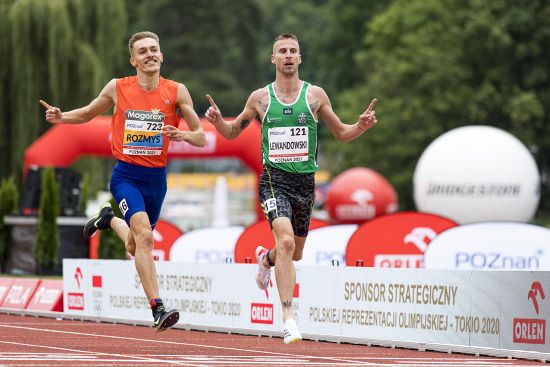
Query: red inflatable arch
{"x": 62, "y": 144}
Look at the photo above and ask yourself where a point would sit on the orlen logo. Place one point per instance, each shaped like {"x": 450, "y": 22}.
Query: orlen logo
{"x": 536, "y": 291}
{"x": 531, "y": 331}
{"x": 261, "y": 313}
{"x": 78, "y": 276}
{"x": 420, "y": 237}
{"x": 362, "y": 209}
{"x": 397, "y": 240}
{"x": 75, "y": 301}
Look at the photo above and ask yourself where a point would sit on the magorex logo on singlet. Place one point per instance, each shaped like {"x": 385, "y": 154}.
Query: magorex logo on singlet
{"x": 143, "y": 132}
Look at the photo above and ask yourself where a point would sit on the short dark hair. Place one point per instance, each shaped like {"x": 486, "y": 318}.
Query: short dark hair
{"x": 139, "y": 36}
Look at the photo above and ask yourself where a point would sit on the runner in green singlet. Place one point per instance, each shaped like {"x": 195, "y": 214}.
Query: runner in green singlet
{"x": 289, "y": 109}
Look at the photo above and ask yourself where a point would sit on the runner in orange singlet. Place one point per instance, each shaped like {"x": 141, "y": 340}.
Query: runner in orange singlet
{"x": 145, "y": 119}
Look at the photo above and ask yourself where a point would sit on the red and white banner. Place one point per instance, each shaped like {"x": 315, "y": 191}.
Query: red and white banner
{"x": 5, "y": 285}
{"x": 48, "y": 296}
{"x": 20, "y": 293}
{"x": 395, "y": 241}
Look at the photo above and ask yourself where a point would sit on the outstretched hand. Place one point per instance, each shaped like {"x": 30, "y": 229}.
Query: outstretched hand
{"x": 368, "y": 118}
{"x": 53, "y": 114}
{"x": 213, "y": 114}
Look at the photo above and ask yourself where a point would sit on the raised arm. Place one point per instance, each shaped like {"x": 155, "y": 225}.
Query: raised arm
{"x": 343, "y": 132}
{"x": 232, "y": 129}
{"x": 195, "y": 135}
{"x": 105, "y": 100}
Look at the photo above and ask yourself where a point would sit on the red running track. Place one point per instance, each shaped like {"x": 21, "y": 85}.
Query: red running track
{"x": 47, "y": 342}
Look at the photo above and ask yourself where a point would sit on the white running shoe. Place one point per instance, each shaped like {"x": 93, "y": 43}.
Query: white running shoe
{"x": 291, "y": 334}
{"x": 264, "y": 274}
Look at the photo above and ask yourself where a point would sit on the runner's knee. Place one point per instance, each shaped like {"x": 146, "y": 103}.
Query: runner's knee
{"x": 144, "y": 239}
{"x": 286, "y": 244}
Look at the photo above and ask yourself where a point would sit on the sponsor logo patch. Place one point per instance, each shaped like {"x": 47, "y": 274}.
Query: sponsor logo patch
{"x": 530, "y": 330}
{"x": 261, "y": 313}
{"x": 75, "y": 301}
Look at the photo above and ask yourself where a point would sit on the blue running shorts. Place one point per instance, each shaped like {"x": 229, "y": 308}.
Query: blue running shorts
{"x": 138, "y": 189}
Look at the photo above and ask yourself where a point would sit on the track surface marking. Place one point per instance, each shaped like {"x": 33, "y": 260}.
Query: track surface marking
{"x": 43, "y": 342}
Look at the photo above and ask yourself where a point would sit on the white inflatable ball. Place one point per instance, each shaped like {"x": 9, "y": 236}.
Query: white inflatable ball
{"x": 477, "y": 173}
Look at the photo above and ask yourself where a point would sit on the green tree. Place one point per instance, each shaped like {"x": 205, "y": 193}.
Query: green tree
{"x": 6, "y": 113}
{"x": 348, "y": 23}
{"x": 62, "y": 51}
{"x": 310, "y": 21}
{"x": 211, "y": 47}
{"x": 411, "y": 58}
{"x": 110, "y": 246}
{"x": 46, "y": 248}
{"x": 9, "y": 200}
{"x": 437, "y": 65}
{"x": 84, "y": 193}
{"x": 506, "y": 50}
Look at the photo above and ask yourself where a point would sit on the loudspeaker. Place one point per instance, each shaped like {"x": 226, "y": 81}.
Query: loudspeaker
{"x": 69, "y": 191}
{"x": 30, "y": 197}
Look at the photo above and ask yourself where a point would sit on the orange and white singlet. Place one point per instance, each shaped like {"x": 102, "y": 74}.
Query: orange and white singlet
{"x": 138, "y": 120}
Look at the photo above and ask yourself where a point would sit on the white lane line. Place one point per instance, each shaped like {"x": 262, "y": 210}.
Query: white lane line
{"x": 350, "y": 362}
{"x": 191, "y": 359}
{"x": 200, "y": 360}
{"x": 132, "y": 358}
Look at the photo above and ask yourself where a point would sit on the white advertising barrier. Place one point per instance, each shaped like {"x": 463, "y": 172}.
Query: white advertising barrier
{"x": 206, "y": 245}
{"x": 500, "y": 310}
{"x": 477, "y": 173}
{"x": 490, "y": 246}
{"x": 325, "y": 244}
{"x": 209, "y": 295}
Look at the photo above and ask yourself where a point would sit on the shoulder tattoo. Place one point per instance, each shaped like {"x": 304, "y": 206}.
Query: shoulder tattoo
{"x": 263, "y": 100}
{"x": 263, "y": 105}
{"x": 314, "y": 106}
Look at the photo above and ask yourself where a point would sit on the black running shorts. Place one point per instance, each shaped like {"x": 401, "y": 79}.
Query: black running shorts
{"x": 285, "y": 194}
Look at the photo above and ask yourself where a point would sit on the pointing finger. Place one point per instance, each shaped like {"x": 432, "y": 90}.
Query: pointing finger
{"x": 371, "y": 105}
{"x": 212, "y": 103}
{"x": 43, "y": 103}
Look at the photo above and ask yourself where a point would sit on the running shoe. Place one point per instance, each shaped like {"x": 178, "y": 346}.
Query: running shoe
{"x": 264, "y": 274}
{"x": 100, "y": 221}
{"x": 291, "y": 334}
{"x": 165, "y": 319}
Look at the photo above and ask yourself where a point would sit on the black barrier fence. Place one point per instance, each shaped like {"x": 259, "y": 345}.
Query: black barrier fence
{"x": 69, "y": 182}
{"x": 23, "y": 231}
